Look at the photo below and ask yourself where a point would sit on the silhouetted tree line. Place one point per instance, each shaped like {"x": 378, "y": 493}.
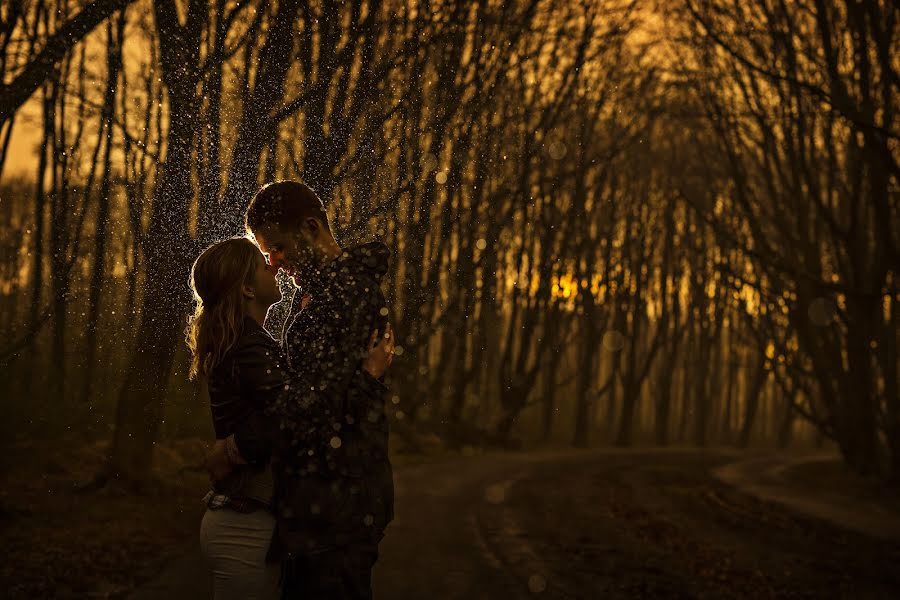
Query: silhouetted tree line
{"x": 610, "y": 223}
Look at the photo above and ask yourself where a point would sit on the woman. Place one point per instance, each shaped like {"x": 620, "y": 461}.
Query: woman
{"x": 234, "y": 287}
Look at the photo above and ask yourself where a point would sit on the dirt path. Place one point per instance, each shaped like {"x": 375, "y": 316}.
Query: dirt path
{"x": 768, "y": 478}
{"x": 610, "y": 524}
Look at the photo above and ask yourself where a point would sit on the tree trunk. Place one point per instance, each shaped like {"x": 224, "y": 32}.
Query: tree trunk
{"x": 585, "y": 375}
{"x": 786, "y": 425}
{"x": 548, "y": 402}
{"x": 114, "y": 46}
{"x": 168, "y": 256}
{"x": 664, "y": 401}
{"x": 751, "y": 402}
{"x": 856, "y": 424}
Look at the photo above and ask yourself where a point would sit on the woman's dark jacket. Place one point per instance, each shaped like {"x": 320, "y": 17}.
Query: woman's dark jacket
{"x": 241, "y": 386}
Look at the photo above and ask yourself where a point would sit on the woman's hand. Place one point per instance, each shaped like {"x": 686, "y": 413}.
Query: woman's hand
{"x": 217, "y": 463}
{"x": 381, "y": 353}
{"x": 222, "y": 458}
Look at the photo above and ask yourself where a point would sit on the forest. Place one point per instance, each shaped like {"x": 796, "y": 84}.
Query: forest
{"x": 617, "y": 223}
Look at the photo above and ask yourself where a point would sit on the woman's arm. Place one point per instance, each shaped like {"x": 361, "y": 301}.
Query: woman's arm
{"x": 258, "y": 372}
{"x": 262, "y": 379}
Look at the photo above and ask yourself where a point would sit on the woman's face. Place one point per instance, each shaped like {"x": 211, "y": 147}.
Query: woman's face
{"x": 264, "y": 284}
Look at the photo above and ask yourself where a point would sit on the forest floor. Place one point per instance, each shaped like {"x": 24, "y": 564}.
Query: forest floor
{"x": 61, "y": 542}
{"x": 552, "y": 524}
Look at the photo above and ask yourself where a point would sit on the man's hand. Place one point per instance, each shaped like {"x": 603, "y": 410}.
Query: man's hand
{"x": 381, "y": 353}
{"x": 217, "y": 462}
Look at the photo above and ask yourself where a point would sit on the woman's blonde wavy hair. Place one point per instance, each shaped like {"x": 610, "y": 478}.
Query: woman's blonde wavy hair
{"x": 217, "y": 322}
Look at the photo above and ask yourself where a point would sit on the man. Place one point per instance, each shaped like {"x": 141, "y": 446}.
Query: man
{"x": 334, "y": 482}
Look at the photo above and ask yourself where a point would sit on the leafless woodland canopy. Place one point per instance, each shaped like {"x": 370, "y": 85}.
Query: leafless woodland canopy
{"x": 611, "y": 221}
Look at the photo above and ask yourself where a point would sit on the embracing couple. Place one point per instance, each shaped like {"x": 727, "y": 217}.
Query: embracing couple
{"x": 302, "y": 484}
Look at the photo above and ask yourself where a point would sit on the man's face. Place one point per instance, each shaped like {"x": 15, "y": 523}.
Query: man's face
{"x": 290, "y": 252}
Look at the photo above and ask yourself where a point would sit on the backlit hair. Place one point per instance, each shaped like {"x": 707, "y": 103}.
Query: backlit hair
{"x": 285, "y": 204}
{"x": 218, "y": 319}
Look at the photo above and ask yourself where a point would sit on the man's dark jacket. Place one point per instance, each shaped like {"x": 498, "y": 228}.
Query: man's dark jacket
{"x": 333, "y": 479}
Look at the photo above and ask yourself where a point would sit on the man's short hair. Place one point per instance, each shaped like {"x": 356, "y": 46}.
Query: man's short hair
{"x": 285, "y": 204}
